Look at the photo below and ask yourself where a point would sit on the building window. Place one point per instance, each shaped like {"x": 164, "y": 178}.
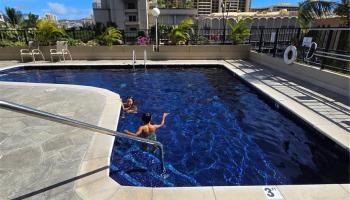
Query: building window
{"x": 132, "y": 18}
{"x": 131, "y": 6}
{"x": 133, "y": 29}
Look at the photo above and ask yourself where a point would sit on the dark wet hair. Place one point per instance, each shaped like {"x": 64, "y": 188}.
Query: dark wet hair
{"x": 133, "y": 100}
{"x": 146, "y": 117}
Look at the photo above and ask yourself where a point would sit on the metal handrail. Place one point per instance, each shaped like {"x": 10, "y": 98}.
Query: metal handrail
{"x": 65, "y": 120}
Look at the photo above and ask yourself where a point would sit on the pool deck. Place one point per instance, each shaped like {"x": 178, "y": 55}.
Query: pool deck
{"x": 53, "y": 154}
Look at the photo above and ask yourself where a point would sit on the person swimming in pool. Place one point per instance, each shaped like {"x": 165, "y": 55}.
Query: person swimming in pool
{"x": 129, "y": 106}
{"x": 148, "y": 130}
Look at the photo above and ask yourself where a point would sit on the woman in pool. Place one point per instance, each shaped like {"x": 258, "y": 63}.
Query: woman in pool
{"x": 129, "y": 106}
{"x": 148, "y": 130}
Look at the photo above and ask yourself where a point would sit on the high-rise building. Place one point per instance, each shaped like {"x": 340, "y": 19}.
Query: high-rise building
{"x": 128, "y": 15}
{"x": 2, "y": 18}
{"x": 206, "y": 7}
{"x": 51, "y": 17}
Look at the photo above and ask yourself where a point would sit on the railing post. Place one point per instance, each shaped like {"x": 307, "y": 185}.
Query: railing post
{"x": 261, "y": 39}
{"x": 275, "y": 45}
{"x": 74, "y": 33}
{"x": 1, "y": 37}
{"x": 328, "y": 44}
{"x": 25, "y": 36}
{"x": 124, "y": 39}
{"x": 298, "y": 35}
{"x": 250, "y": 36}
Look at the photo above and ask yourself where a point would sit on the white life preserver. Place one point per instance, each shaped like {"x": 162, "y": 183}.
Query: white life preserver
{"x": 290, "y": 54}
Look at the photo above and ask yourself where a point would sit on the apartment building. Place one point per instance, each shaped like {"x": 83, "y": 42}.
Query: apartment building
{"x": 128, "y": 15}
{"x": 206, "y": 7}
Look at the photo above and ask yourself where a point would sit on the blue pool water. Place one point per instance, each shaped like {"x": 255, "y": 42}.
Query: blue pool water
{"x": 219, "y": 131}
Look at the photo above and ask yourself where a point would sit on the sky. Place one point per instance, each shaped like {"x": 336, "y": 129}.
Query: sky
{"x": 77, "y": 9}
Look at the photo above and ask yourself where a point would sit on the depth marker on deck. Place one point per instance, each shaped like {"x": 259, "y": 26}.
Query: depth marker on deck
{"x": 272, "y": 193}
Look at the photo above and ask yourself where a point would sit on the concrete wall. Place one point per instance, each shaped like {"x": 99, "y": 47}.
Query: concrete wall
{"x": 101, "y": 16}
{"x": 335, "y": 82}
{"x": 123, "y": 52}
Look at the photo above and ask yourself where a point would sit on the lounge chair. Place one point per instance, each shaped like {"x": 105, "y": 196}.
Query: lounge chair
{"x": 32, "y": 51}
{"x": 61, "y": 50}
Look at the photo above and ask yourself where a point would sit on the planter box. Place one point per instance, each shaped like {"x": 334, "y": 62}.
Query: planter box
{"x": 124, "y": 52}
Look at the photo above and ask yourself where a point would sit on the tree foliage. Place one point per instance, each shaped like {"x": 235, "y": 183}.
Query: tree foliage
{"x": 309, "y": 10}
{"x": 13, "y": 16}
{"x": 31, "y": 22}
{"x": 343, "y": 10}
{"x": 239, "y": 31}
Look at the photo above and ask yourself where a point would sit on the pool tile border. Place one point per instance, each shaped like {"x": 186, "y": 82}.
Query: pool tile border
{"x": 101, "y": 186}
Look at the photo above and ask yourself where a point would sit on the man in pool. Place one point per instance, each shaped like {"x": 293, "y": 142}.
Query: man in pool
{"x": 130, "y": 105}
{"x": 148, "y": 130}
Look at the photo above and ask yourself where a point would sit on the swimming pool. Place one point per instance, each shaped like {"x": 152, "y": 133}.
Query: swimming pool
{"x": 219, "y": 132}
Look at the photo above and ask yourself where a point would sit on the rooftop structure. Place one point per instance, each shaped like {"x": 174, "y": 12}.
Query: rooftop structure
{"x": 331, "y": 21}
{"x": 277, "y": 7}
{"x": 281, "y": 19}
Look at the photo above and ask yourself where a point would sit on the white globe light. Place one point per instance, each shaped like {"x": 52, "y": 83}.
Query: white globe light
{"x": 155, "y": 12}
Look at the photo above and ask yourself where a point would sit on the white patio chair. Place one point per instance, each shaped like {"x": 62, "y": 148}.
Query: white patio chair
{"x": 32, "y": 51}
{"x": 61, "y": 50}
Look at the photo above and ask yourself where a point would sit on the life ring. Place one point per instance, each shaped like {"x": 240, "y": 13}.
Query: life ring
{"x": 290, "y": 54}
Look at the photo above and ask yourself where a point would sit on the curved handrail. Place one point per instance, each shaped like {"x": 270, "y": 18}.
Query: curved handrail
{"x": 65, "y": 120}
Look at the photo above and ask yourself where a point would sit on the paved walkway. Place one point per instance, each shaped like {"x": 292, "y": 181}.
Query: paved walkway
{"x": 39, "y": 158}
{"x": 327, "y": 104}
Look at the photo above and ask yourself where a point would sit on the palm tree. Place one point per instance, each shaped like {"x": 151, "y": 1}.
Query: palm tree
{"x": 239, "y": 31}
{"x": 13, "y": 16}
{"x": 179, "y": 32}
{"x": 112, "y": 35}
{"x": 343, "y": 10}
{"x": 309, "y": 10}
{"x": 31, "y": 21}
{"x": 48, "y": 32}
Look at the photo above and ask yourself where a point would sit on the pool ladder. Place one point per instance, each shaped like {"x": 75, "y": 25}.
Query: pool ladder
{"x": 134, "y": 59}
{"x": 145, "y": 58}
{"x": 75, "y": 123}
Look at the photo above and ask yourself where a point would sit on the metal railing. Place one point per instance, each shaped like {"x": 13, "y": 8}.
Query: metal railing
{"x": 75, "y": 123}
{"x": 333, "y": 44}
{"x": 264, "y": 40}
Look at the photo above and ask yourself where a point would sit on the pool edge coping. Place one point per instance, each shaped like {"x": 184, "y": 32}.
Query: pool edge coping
{"x": 91, "y": 190}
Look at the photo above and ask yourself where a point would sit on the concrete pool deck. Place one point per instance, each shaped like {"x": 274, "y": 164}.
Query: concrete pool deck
{"x": 100, "y": 186}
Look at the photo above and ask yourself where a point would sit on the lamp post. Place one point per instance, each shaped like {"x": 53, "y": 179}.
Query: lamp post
{"x": 155, "y": 12}
{"x": 223, "y": 21}
{"x": 223, "y": 6}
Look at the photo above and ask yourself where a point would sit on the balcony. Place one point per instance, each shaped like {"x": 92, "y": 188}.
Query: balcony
{"x": 131, "y": 23}
{"x": 131, "y": 10}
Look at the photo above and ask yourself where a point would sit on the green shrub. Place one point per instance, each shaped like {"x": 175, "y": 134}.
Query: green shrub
{"x": 8, "y": 43}
{"x": 48, "y": 32}
{"x": 239, "y": 31}
{"x": 179, "y": 33}
{"x": 111, "y": 36}
{"x": 92, "y": 43}
{"x": 74, "y": 42}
